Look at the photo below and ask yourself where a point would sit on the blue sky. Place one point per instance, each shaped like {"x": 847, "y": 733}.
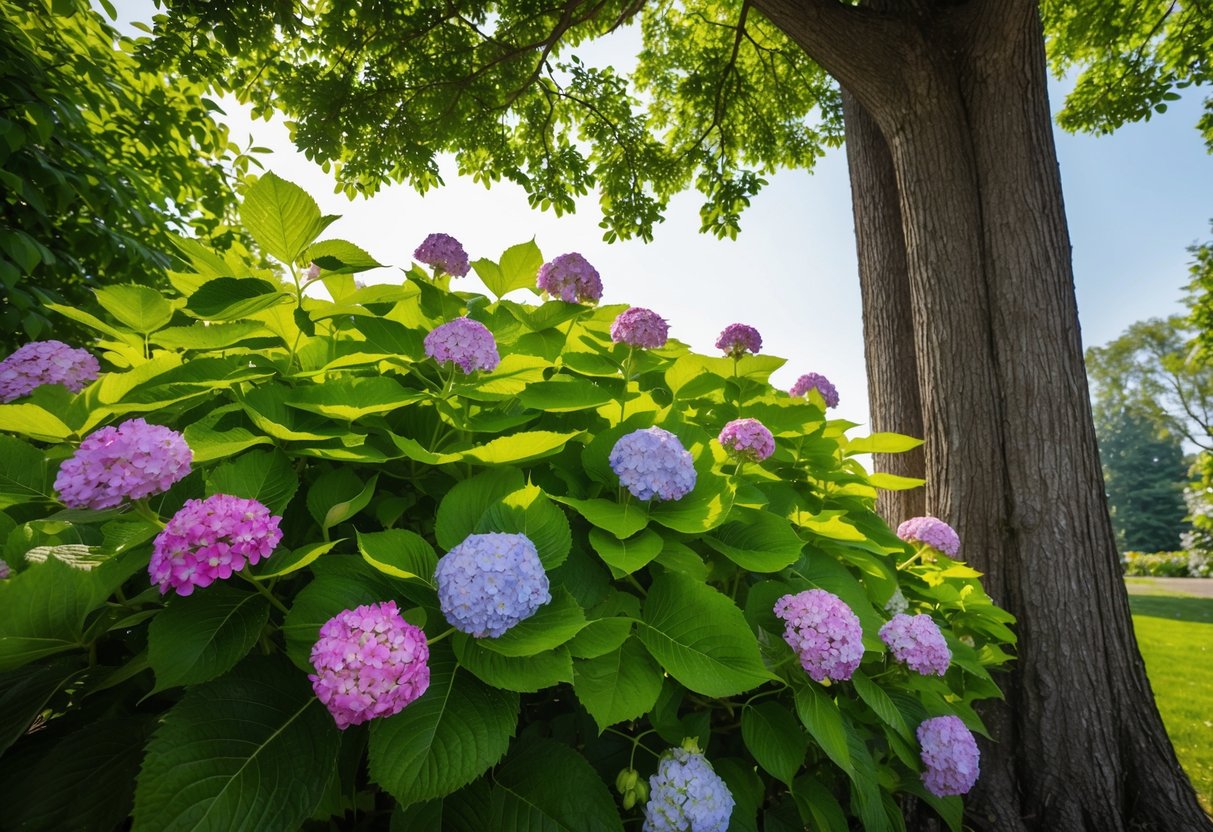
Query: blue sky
{"x": 1135, "y": 201}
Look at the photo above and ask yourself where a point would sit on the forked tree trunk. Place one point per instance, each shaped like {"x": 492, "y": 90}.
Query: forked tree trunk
{"x": 957, "y": 91}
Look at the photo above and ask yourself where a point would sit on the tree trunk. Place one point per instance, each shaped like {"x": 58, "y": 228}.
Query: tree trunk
{"x": 958, "y": 93}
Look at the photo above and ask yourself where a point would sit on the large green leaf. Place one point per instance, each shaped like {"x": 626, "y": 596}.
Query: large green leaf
{"x": 266, "y": 476}
{"x": 353, "y": 398}
{"x": 519, "y": 268}
{"x": 519, "y": 447}
{"x": 552, "y": 625}
{"x": 700, "y": 637}
{"x": 455, "y": 731}
{"x": 229, "y": 298}
{"x": 620, "y": 519}
{"x": 706, "y": 507}
{"x": 882, "y": 443}
{"x": 281, "y": 216}
{"x": 546, "y": 786}
{"x": 761, "y": 542}
{"x": 252, "y": 751}
{"x": 33, "y": 421}
{"x": 23, "y": 474}
{"x": 399, "y": 553}
{"x": 467, "y": 501}
{"x": 619, "y": 685}
{"x": 338, "y": 495}
{"x": 200, "y": 336}
{"x": 821, "y": 716}
{"x": 626, "y": 556}
{"x": 141, "y": 308}
{"x": 528, "y": 511}
{"x": 774, "y": 738}
{"x": 25, "y": 691}
{"x": 210, "y": 443}
{"x": 204, "y": 635}
{"x": 341, "y": 257}
{"x": 563, "y": 394}
{"x": 875, "y": 698}
{"x": 525, "y": 674}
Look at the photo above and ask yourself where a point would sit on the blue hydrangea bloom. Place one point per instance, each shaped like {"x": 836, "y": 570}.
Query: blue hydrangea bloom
{"x": 652, "y": 463}
{"x": 686, "y": 795}
{"x": 490, "y": 582}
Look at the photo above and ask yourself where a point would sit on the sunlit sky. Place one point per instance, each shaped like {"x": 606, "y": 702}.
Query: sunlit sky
{"x": 1135, "y": 201}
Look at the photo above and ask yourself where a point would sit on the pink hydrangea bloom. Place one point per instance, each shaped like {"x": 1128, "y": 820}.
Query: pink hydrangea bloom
{"x": 466, "y": 342}
{"x": 824, "y": 632}
{"x": 128, "y": 462}
{"x": 571, "y": 278}
{"x": 640, "y": 327}
{"x": 818, "y": 382}
{"x": 950, "y": 756}
{"x": 916, "y": 641}
{"x": 313, "y": 272}
{"x": 443, "y": 253}
{"x": 932, "y": 532}
{"x": 738, "y": 339}
{"x": 748, "y": 438}
{"x": 5, "y": 571}
{"x": 208, "y": 540}
{"x": 369, "y": 663}
{"x": 45, "y": 362}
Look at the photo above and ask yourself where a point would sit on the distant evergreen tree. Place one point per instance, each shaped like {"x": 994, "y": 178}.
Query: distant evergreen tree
{"x": 1144, "y": 474}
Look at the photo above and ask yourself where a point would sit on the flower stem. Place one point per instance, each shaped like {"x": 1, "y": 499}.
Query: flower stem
{"x": 273, "y": 599}
{"x": 440, "y": 636}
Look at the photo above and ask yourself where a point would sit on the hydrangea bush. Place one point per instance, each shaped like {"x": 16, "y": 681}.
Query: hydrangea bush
{"x": 406, "y": 556}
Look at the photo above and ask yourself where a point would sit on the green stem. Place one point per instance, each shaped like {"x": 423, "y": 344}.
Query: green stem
{"x": 273, "y": 599}
{"x": 627, "y": 377}
{"x": 141, "y": 508}
{"x": 440, "y": 636}
{"x": 632, "y": 580}
{"x": 636, "y": 744}
{"x": 737, "y": 381}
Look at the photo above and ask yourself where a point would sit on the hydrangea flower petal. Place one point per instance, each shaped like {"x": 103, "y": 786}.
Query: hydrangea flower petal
{"x": 490, "y": 582}
{"x": 45, "y": 362}
{"x": 738, "y": 339}
{"x": 818, "y": 382}
{"x": 369, "y": 663}
{"x": 128, "y": 462}
{"x": 748, "y": 438}
{"x": 950, "y": 755}
{"x": 651, "y": 463}
{"x": 571, "y": 278}
{"x": 443, "y": 253}
{"x": 916, "y": 641}
{"x": 932, "y": 532}
{"x": 824, "y": 632}
{"x": 467, "y": 343}
{"x": 687, "y": 795}
{"x": 640, "y": 327}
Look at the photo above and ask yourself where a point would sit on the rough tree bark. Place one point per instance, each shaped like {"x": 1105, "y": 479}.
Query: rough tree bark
{"x": 957, "y": 92}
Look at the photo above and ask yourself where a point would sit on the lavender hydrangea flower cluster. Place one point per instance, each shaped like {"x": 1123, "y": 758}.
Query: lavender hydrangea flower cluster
{"x": 466, "y": 342}
{"x": 369, "y": 663}
{"x": 208, "y": 540}
{"x": 45, "y": 362}
{"x": 443, "y": 253}
{"x": 687, "y": 794}
{"x": 916, "y": 641}
{"x": 950, "y": 755}
{"x": 651, "y": 463}
{"x": 818, "y": 382}
{"x": 824, "y": 632}
{"x": 6, "y": 571}
{"x": 738, "y": 339}
{"x": 490, "y": 582}
{"x": 128, "y": 462}
{"x": 748, "y": 438}
{"x": 313, "y": 273}
{"x": 640, "y": 327}
{"x": 930, "y": 531}
{"x": 571, "y": 278}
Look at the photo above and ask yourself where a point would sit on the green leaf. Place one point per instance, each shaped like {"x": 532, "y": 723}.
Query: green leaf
{"x": 278, "y": 565}
{"x": 338, "y": 495}
{"x": 399, "y": 553}
{"x": 353, "y": 398}
{"x": 251, "y": 751}
{"x": 23, "y": 474}
{"x": 525, "y": 674}
{"x": 199, "y": 336}
{"x": 281, "y": 216}
{"x": 565, "y": 394}
{"x": 467, "y": 501}
{"x": 519, "y": 447}
{"x": 700, "y": 637}
{"x": 229, "y": 298}
{"x": 875, "y": 698}
{"x": 600, "y": 636}
{"x": 209, "y": 443}
{"x": 892, "y": 482}
{"x": 141, "y": 308}
{"x": 819, "y": 713}
{"x": 528, "y": 511}
{"x": 24, "y": 693}
{"x": 446, "y": 739}
{"x": 266, "y": 476}
{"x": 546, "y": 786}
{"x": 552, "y": 625}
{"x": 762, "y": 542}
{"x": 626, "y": 556}
{"x": 706, "y": 507}
{"x": 341, "y": 257}
{"x": 520, "y": 266}
{"x": 882, "y": 443}
{"x": 619, "y": 685}
{"x": 775, "y": 738}
{"x": 32, "y": 421}
{"x": 621, "y": 520}
{"x": 204, "y": 635}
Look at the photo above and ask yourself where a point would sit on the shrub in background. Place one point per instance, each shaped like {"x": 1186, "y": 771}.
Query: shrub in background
{"x": 659, "y": 572}
{"x": 1157, "y": 564}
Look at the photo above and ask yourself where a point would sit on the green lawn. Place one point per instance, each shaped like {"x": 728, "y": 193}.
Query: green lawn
{"x": 1176, "y": 637}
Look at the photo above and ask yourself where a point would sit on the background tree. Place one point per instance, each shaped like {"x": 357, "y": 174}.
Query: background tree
{"x": 723, "y": 93}
{"x": 100, "y": 162}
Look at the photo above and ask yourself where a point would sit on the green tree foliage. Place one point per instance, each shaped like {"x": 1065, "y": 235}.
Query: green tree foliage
{"x": 100, "y": 161}
{"x": 1144, "y": 474}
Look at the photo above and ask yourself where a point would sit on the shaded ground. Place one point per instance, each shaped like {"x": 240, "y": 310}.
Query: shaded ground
{"x": 1200, "y": 587}
{"x": 1175, "y": 633}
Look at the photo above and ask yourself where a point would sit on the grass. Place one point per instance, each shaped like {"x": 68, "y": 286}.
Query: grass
{"x": 1175, "y": 633}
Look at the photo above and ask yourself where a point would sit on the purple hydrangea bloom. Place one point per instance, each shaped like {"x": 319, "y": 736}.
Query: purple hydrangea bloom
{"x": 571, "y": 278}
{"x": 738, "y": 339}
{"x": 128, "y": 462}
{"x": 443, "y": 253}
{"x": 916, "y": 641}
{"x": 818, "y": 382}
{"x": 490, "y": 582}
{"x": 640, "y": 327}
{"x": 824, "y": 632}
{"x": 45, "y": 362}
{"x": 897, "y": 602}
{"x": 466, "y": 342}
{"x": 369, "y": 663}
{"x": 313, "y": 272}
{"x": 932, "y": 532}
{"x": 208, "y": 540}
{"x": 686, "y": 795}
{"x": 651, "y": 462}
{"x": 5, "y": 571}
{"x": 748, "y": 438}
{"x": 950, "y": 755}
